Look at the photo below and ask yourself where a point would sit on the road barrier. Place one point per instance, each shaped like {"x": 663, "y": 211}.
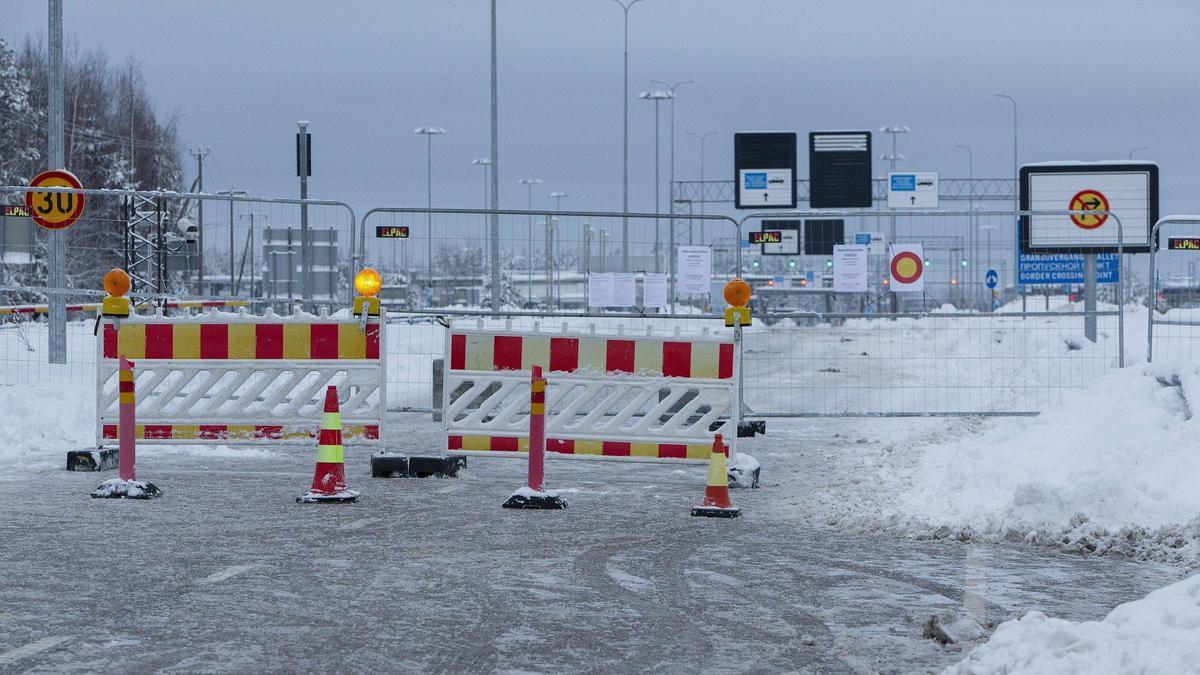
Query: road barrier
{"x": 221, "y": 377}
{"x": 642, "y": 397}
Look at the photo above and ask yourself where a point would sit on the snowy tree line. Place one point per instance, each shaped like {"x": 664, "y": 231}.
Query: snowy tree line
{"x": 113, "y": 139}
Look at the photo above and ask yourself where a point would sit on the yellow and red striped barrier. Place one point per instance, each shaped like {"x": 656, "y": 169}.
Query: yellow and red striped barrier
{"x": 243, "y": 379}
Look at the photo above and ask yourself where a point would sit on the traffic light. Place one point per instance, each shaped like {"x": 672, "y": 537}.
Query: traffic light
{"x": 953, "y": 281}
{"x": 791, "y": 263}
{"x": 754, "y": 264}
{"x": 886, "y": 281}
{"x": 829, "y": 262}
{"x": 928, "y": 263}
{"x": 964, "y": 262}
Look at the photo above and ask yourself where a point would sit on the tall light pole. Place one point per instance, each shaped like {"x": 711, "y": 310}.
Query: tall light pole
{"x": 656, "y": 95}
{"x": 701, "y": 138}
{"x": 529, "y": 183}
{"x": 1140, "y": 147}
{"x": 893, "y": 157}
{"x": 303, "y": 163}
{"x": 485, "y": 163}
{"x": 971, "y": 206}
{"x": 429, "y": 133}
{"x": 495, "y": 218}
{"x": 625, "y": 6}
{"x": 551, "y": 225}
{"x": 671, "y": 191}
{"x": 1016, "y": 200}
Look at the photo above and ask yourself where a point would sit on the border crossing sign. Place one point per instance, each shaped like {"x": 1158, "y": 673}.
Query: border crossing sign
{"x": 1065, "y": 268}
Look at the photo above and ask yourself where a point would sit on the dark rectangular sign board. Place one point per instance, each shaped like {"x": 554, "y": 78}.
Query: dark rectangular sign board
{"x": 820, "y": 236}
{"x": 839, "y": 169}
{"x": 764, "y": 170}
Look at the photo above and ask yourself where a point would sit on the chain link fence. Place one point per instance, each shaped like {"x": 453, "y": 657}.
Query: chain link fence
{"x": 956, "y": 347}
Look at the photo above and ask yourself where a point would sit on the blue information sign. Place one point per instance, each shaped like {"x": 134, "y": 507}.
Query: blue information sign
{"x": 862, "y": 237}
{"x": 904, "y": 182}
{"x": 809, "y": 277}
{"x": 1064, "y": 268}
{"x": 991, "y": 278}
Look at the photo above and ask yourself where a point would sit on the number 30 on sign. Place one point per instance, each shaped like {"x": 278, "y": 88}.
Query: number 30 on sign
{"x": 54, "y": 210}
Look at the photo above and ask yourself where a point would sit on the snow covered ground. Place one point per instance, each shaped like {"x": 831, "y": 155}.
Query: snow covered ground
{"x": 864, "y": 529}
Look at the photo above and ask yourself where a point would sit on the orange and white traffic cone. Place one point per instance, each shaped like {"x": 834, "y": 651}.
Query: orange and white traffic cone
{"x": 716, "y": 502}
{"x": 329, "y": 478}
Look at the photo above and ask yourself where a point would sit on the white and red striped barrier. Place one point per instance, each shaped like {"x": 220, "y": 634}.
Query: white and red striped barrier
{"x": 222, "y": 377}
{"x": 642, "y": 397}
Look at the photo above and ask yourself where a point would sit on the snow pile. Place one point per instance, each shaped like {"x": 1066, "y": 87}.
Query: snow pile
{"x": 40, "y": 423}
{"x": 1114, "y": 470}
{"x": 1157, "y": 634}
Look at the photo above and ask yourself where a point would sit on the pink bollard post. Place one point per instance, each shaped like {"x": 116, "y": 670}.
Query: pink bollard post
{"x": 127, "y": 431}
{"x": 537, "y": 430}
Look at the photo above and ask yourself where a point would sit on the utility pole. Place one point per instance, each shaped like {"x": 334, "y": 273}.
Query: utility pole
{"x": 57, "y": 344}
{"x": 495, "y": 224}
{"x": 671, "y": 192}
{"x": 200, "y": 154}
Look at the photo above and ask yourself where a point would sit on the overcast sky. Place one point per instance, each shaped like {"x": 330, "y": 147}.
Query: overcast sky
{"x": 1094, "y": 79}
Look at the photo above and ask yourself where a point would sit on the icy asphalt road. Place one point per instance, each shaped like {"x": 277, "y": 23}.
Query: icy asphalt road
{"x": 227, "y": 573}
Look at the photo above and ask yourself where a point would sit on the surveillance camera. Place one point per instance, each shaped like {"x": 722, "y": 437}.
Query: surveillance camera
{"x": 188, "y": 229}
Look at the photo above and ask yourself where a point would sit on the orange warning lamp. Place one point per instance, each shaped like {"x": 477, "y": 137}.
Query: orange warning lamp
{"x": 116, "y": 283}
{"x": 367, "y": 283}
{"x": 737, "y": 294}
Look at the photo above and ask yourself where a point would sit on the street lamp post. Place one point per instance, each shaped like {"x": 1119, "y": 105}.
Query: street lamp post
{"x": 625, "y": 7}
{"x": 656, "y": 95}
{"x": 701, "y": 138}
{"x": 1016, "y": 198}
{"x": 671, "y": 191}
{"x": 971, "y": 206}
{"x": 232, "y": 226}
{"x": 529, "y": 183}
{"x": 429, "y": 133}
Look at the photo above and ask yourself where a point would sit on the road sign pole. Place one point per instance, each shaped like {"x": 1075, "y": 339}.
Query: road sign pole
{"x": 1089, "y": 296}
{"x": 57, "y": 346}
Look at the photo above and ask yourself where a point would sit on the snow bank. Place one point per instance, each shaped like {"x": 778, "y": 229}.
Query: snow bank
{"x": 40, "y": 423}
{"x": 1157, "y": 634}
{"x": 1114, "y": 470}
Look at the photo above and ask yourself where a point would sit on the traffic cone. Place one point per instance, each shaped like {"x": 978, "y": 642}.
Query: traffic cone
{"x": 329, "y": 478}
{"x": 716, "y": 502}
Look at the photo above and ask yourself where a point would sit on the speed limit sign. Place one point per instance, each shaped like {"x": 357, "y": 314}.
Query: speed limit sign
{"x": 54, "y": 210}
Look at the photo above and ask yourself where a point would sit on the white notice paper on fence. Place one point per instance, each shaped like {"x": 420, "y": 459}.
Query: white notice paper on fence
{"x": 693, "y": 269}
{"x": 600, "y": 290}
{"x": 654, "y": 290}
{"x": 850, "y": 268}
{"x": 624, "y": 289}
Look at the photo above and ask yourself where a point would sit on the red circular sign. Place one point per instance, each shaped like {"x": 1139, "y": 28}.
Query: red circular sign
{"x": 54, "y": 210}
{"x": 907, "y": 267}
{"x": 1089, "y": 200}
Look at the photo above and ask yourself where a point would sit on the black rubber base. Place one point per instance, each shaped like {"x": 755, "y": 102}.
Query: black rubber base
{"x": 546, "y": 502}
{"x": 715, "y": 512}
{"x": 746, "y": 428}
{"x": 97, "y": 459}
{"x": 145, "y": 491}
{"x": 344, "y": 498}
{"x": 416, "y": 466}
